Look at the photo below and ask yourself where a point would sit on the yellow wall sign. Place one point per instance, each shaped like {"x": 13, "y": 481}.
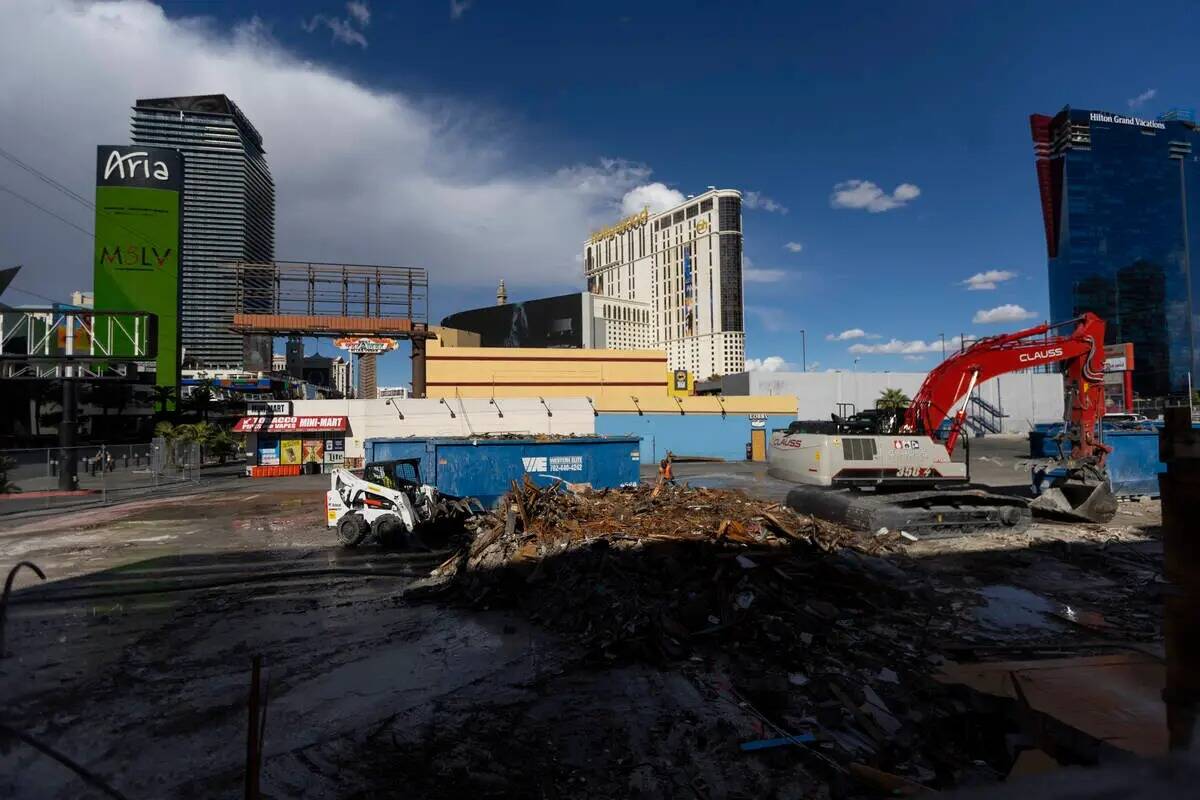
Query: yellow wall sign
{"x": 633, "y": 220}
{"x": 701, "y": 226}
{"x": 680, "y": 383}
{"x": 289, "y": 451}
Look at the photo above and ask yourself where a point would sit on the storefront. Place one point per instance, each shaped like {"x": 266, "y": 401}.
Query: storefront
{"x": 290, "y": 445}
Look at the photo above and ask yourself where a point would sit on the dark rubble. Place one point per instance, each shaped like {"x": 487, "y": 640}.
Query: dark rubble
{"x": 800, "y": 624}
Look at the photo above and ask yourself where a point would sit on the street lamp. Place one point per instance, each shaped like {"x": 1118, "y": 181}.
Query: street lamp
{"x": 856, "y": 363}
{"x": 803, "y": 350}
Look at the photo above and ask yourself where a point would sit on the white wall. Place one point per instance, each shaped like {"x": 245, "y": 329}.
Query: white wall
{"x": 429, "y": 417}
{"x": 1026, "y": 397}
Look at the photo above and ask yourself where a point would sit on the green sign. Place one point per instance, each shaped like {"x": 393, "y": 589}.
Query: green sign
{"x": 137, "y": 242}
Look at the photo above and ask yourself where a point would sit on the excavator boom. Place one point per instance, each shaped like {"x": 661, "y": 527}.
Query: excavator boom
{"x": 947, "y": 387}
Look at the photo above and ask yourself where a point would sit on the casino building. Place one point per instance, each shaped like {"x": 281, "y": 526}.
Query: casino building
{"x": 684, "y": 266}
{"x": 670, "y": 282}
{"x": 1118, "y": 194}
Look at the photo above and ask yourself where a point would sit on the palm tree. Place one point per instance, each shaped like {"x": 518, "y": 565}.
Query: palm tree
{"x": 167, "y": 432}
{"x": 224, "y": 444}
{"x": 162, "y": 396}
{"x": 893, "y": 399}
{"x": 202, "y": 397}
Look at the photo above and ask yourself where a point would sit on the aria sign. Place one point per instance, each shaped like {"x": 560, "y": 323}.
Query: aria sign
{"x": 137, "y": 161}
{"x": 366, "y": 345}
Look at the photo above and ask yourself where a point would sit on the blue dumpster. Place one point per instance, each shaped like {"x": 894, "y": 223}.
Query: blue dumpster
{"x": 484, "y": 467}
{"x": 1133, "y": 464}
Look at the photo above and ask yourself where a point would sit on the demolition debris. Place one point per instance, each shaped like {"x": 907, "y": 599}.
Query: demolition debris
{"x": 797, "y": 622}
{"x": 635, "y": 569}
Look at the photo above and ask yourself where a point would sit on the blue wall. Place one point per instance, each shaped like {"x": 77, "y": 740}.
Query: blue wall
{"x": 687, "y": 434}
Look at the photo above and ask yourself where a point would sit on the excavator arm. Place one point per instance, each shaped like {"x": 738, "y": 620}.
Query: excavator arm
{"x": 1081, "y": 491}
{"x": 948, "y": 386}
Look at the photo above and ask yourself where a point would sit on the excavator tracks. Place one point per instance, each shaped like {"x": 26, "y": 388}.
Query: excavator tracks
{"x": 929, "y": 514}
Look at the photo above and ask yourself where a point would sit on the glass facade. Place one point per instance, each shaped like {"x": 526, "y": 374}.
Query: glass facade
{"x": 1118, "y": 196}
{"x": 228, "y": 216}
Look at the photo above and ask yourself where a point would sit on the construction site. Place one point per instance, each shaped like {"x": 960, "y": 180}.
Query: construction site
{"x": 703, "y": 630}
{"x": 583, "y": 548}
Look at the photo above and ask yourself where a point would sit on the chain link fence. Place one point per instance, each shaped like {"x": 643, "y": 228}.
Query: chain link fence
{"x": 42, "y": 477}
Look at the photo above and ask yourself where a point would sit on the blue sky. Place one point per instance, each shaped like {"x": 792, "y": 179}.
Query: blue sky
{"x": 788, "y": 100}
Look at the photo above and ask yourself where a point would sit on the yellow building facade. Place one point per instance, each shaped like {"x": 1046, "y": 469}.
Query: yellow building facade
{"x": 617, "y": 381}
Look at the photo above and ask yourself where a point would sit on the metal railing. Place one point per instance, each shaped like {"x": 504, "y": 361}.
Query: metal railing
{"x": 32, "y": 478}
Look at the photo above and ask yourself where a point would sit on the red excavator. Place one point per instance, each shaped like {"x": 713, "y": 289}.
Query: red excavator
{"x": 918, "y": 486}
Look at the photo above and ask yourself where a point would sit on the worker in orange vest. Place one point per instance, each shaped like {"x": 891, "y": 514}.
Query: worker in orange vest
{"x": 665, "y": 473}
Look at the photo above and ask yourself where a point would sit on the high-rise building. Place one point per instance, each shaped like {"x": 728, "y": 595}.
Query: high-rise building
{"x": 1121, "y": 205}
{"x": 367, "y": 372}
{"x": 343, "y": 375}
{"x": 228, "y": 216}
{"x": 682, "y": 268}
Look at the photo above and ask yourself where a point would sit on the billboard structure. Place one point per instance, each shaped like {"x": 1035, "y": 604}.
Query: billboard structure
{"x": 136, "y": 264}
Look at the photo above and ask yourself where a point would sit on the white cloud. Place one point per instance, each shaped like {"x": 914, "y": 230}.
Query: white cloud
{"x": 752, "y": 274}
{"x": 773, "y": 319}
{"x": 860, "y": 194}
{"x": 1005, "y": 313}
{"x": 986, "y": 281}
{"x": 363, "y": 175}
{"x": 760, "y": 202}
{"x": 768, "y": 364}
{"x": 755, "y": 275}
{"x": 346, "y": 31}
{"x": 914, "y": 358}
{"x": 847, "y": 335}
{"x": 793, "y": 247}
{"x": 1142, "y": 99}
{"x": 459, "y": 7}
{"x": 655, "y": 196}
{"x": 906, "y": 347}
{"x": 361, "y": 12}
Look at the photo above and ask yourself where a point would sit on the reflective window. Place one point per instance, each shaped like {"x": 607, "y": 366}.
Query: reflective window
{"x": 1121, "y": 208}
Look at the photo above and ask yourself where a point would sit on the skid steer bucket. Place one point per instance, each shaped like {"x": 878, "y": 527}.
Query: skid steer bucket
{"x": 1077, "y": 499}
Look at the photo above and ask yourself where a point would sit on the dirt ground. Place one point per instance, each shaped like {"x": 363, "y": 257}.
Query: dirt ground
{"x": 133, "y": 657}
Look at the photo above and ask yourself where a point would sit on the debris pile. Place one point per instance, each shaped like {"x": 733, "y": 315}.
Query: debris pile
{"x": 793, "y": 620}
{"x": 633, "y": 567}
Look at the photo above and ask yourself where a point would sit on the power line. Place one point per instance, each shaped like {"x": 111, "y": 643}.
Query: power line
{"x": 45, "y": 210}
{"x": 33, "y": 294}
{"x": 46, "y": 179}
{"x": 69, "y": 193}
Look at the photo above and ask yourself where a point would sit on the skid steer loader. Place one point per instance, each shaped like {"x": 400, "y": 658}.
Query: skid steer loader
{"x": 390, "y": 504}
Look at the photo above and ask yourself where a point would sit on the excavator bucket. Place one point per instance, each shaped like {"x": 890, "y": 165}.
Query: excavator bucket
{"x": 1077, "y": 499}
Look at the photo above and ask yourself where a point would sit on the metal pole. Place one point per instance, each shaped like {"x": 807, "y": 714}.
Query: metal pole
{"x": 418, "y": 367}
{"x": 803, "y": 350}
{"x": 943, "y": 345}
{"x": 1179, "y": 448}
{"x": 252, "y": 727}
{"x": 68, "y": 472}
